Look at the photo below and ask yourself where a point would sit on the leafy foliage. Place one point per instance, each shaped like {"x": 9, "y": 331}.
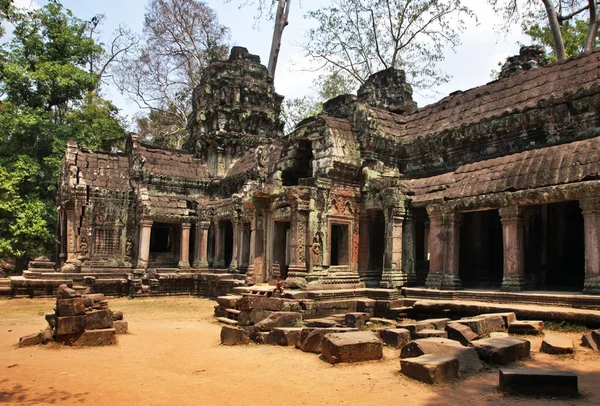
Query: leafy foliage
{"x": 573, "y": 34}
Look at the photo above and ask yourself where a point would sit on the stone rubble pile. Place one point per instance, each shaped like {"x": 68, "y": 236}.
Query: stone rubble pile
{"x": 79, "y": 320}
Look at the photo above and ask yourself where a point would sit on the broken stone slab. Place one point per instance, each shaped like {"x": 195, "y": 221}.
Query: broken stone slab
{"x": 508, "y": 317}
{"x": 415, "y": 327}
{"x": 117, "y": 315}
{"x": 556, "y": 345}
{"x": 323, "y": 322}
{"x": 248, "y": 317}
{"x": 89, "y": 338}
{"x": 427, "y": 333}
{"x": 499, "y": 334}
{"x": 285, "y": 336}
{"x": 70, "y": 325}
{"x": 279, "y": 319}
{"x": 394, "y": 337}
{"x": 234, "y": 336}
{"x": 382, "y": 321}
{"x": 65, "y": 292}
{"x": 259, "y": 337}
{"x": 502, "y": 351}
{"x": 70, "y": 307}
{"x": 121, "y": 326}
{"x": 467, "y": 357}
{"x": 261, "y": 303}
{"x": 430, "y": 368}
{"x": 310, "y": 338}
{"x": 229, "y": 301}
{"x": 461, "y": 333}
{"x": 51, "y": 319}
{"x": 356, "y": 319}
{"x": 98, "y": 319}
{"x": 31, "y": 339}
{"x": 587, "y": 340}
{"x": 438, "y": 324}
{"x": 483, "y": 325}
{"x": 533, "y": 327}
{"x": 538, "y": 382}
{"x": 351, "y": 347}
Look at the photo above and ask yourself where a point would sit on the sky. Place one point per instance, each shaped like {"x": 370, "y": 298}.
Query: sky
{"x": 470, "y": 64}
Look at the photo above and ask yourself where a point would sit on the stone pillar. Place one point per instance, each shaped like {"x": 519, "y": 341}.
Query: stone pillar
{"x": 235, "y": 223}
{"x": 184, "y": 246}
{"x": 409, "y": 249}
{"x": 444, "y": 240}
{"x": 392, "y": 276}
{"x": 219, "y": 254}
{"x": 363, "y": 247}
{"x": 201, "y": 253}
{"x": 591, "y": 223}
{"x": 513, "y": 239}
{"x": 296, "y": 277}
{"x": 144, "y": 245}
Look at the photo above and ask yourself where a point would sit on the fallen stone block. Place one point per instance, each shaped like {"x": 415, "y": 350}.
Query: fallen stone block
{"x": 415, "y": 327}
{"x": 286, "y": 336}
{"x": 65, "y": 292}
{"x": 47, "y": 335}
{"x": 98, "y": 319}
{"x": 461, "y": 333}
{"x": 117, "y": 315}
{"x": 279, "y": 319}
{"x": 323, "y": 322}
{"x": 508, "y": 317}
{"x": 476, "y": 324}
{"x": 70, "y": 307}
{"x": 537, "y": 382}
{"x": 526, "y": 327}
{"x": 384, "y": 322}
{"x": 248, "y": 317}
{"x": 351, "y": 347}
{"x": 493, "y": 322}
{"x": 427, "y": 333}
{"x": 556, "y": 345}
{"x": 261, "y": 303}
{"x": 499, "y": 334}
{"x": 357, "y": 319}
{"x": 587, "y": 340}
{"x": 51, "y": 319}
{"x": 438, "y": 324}
{"x": 310, "y": 338}
{"x": 229, "y": 301}
{"x": 70, "y": 325}
{"x": 502, "y": 351}
{"x": 31, "y": 339}
{"x": 467, "y": 357}
{"x": 234, "y": 336}
{"x": 394, "y": 337}
{"x": 121, "y": 326}
{"x": 260, "y": 337}
{"x": 430, "y": 368}
{"x": 106, "y": 336}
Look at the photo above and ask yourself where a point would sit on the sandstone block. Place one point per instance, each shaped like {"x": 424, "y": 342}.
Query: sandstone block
{"x": 414, "y": 327}
{"x": 51, "y": 319}
{"x": 117, "y": 315}
{"x": 508, "y": 317}
{"x": 384, "y": 322}
{"x": 438, "y": 324}
{"x": 310, "y": 338}
{"x": 395, "y": 337}
{"x": 31, "y": 339}
{"x": 476, "y": 324}
{"x": 427, "y": 333}
{"x": 499, "y": 334}
{"x": 248, "y": 317}
{"x": 556, "y": 345}
{"x": 526, "y": 327}
{"x": 430, "y": 368}
{"x": 467, "y": 357}
{"x": 70, "y": 307}
{"x": 323, "y": 322}
{"x": 64, "y": 292}
{"x": 106, "y": 336}
{"x": 537, "y": 382}
{"x": 286, "y": 336}
{"x": 587, "y": 340}
{"x": 70, "y": 325}
{"x": 351, "y": 347}
{"x": 259, "y": 337}
{"x": 494, "y": 322}
{"x": 357, "y": 319}
{"x": 120, "y": 326}
{"x": 98, "y": 319}
{"x": 279, "y": 319}
{"x": 502, "y": 351}
{"x": 229, "y": 301}
{"x": 461, "y": 333}
{"x": 233, "y": 336}
{"x": 259, "y": 302}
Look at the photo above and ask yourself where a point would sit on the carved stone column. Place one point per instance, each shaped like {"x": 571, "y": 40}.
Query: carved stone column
{"x": 144, "y": 245}
{"x": 392, "y": 276}
{"x": 591, "y": 224}
{"x": 219, "y": 254}
{"x": 444, "y": 248}
{"x": 409, "y": 253}
{"x": 184, "y": 247}
{"x": 201, "y": 253}
{"x": 514, "y": 248}
{"x": 297, "y": 270}
{"x": 235, "y": 223}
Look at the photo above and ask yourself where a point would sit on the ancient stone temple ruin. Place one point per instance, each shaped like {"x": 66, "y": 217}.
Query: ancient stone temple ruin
{"x": 497, "y": 186}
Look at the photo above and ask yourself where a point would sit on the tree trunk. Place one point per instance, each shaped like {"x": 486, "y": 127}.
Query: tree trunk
{"x": 590, "y": 39}
{"x": 559, "y": 45}
{"x": 281, "y": 20}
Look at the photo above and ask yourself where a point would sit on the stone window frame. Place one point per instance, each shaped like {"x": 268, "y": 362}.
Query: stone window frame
{"x": 344, "y": 221}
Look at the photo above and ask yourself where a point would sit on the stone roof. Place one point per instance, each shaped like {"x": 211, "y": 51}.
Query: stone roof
{"x": 103, "y": 170}
{"x": 169, "y": 205}
{"x": 561, "y": 164}
{"x": 171, "y": 162}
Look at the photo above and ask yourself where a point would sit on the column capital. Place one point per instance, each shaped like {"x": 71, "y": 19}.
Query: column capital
{"x": 146, "y": 223}
{"x": 204, "y": 224}
{"x": 590, "y": 205}
{"x": 185, "y": 225}
{"x": 511, "y": 213}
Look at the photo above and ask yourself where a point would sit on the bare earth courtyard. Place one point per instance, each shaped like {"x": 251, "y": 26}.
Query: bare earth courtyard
{"x": 172, "y": 355}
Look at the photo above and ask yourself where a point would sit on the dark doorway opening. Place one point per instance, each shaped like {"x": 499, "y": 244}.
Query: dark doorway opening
{"x": 376, "y": 240}
{"x": 161, "y": 237}
{"x": 227, "y": 242}
{"x": 211, "y": 245}
{"x": 481, "y": 260}
{"x": 281, "y": 255}
{"x": 339, "y": 245}
{"x": 421, "y": 244}
{"x": 301, "y": 166}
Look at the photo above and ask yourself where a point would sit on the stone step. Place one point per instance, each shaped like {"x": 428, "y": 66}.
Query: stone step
{"x": 226, "y": 320}
{"x": 398, "y": 312}
{"x": 431, "y": 368}
{"x": 538, "y": 382}
{"x": 4, "y": 282}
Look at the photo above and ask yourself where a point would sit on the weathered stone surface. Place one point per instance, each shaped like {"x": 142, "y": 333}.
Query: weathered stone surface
{"x": 438, "y": 324}
{"x": 502, "y": 351}
{"x": 310, "y": 338}
{"x": 279, "y": 319}
{"x": 323, "y": 322}
{"x": 259, "y": 337}
{"x": 526, "y": 327}
{"x": 121, "y": 326}
{"x": 70, "y": 325}
{"x": 117, "y": 315}
{"x": 467, "y": 356}
{"x": 229, "y": 301}
{"x": 248, "y": 317}
{"x": 494, "y": 322}
{"x": 70, "y": 307}
{"x": 31, "y": 339}
{"x": 357, "y": 319}
{"x": 508, "y": 317}
{"x": 47, "y": 335}
{"x": 461, "y": 333}
{"x": 234, "y": 336}
{"x": 98, "y": 319}
{"x": 394, "y": 337}
{"x": 286, "y": 336}
{"x": 537, "y": 382}
{"x": 430, "y": 368}
{"x": 51, "y": 319}
{"x": 97, "y": 337}
{"x": 414, "y": 327}
{"x": 426, "y": 333}
{"x": 483, "y": 325}
{"x": 587, "y": 340}
{"x": 351, "y": 347}
{"x": 499, "y": 334}
{"x": 384, "y": 322}
{"x": 64, "y": 292}
{"x": 556, "y": 345}
{"x": 261, "y": 303}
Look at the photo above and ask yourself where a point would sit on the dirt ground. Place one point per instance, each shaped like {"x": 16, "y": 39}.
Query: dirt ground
{"x": 172, "y": 356}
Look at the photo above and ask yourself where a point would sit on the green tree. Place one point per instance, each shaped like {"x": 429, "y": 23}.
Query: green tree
{"x": 574, "y": 35}
{"x": 48, "y": 88}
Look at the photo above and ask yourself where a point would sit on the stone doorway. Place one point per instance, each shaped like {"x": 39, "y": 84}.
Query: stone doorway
{"x": 374, "y": 247}
{"x": 227, "y": 230}
{"x": 164, "y": 245}
{"x": 421, "y": 244}
{"x": 481, "y": 260}
{"x": 281, "y": 243}
{"x": 555, "y": 246}
{"x": 339, "y": 253}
